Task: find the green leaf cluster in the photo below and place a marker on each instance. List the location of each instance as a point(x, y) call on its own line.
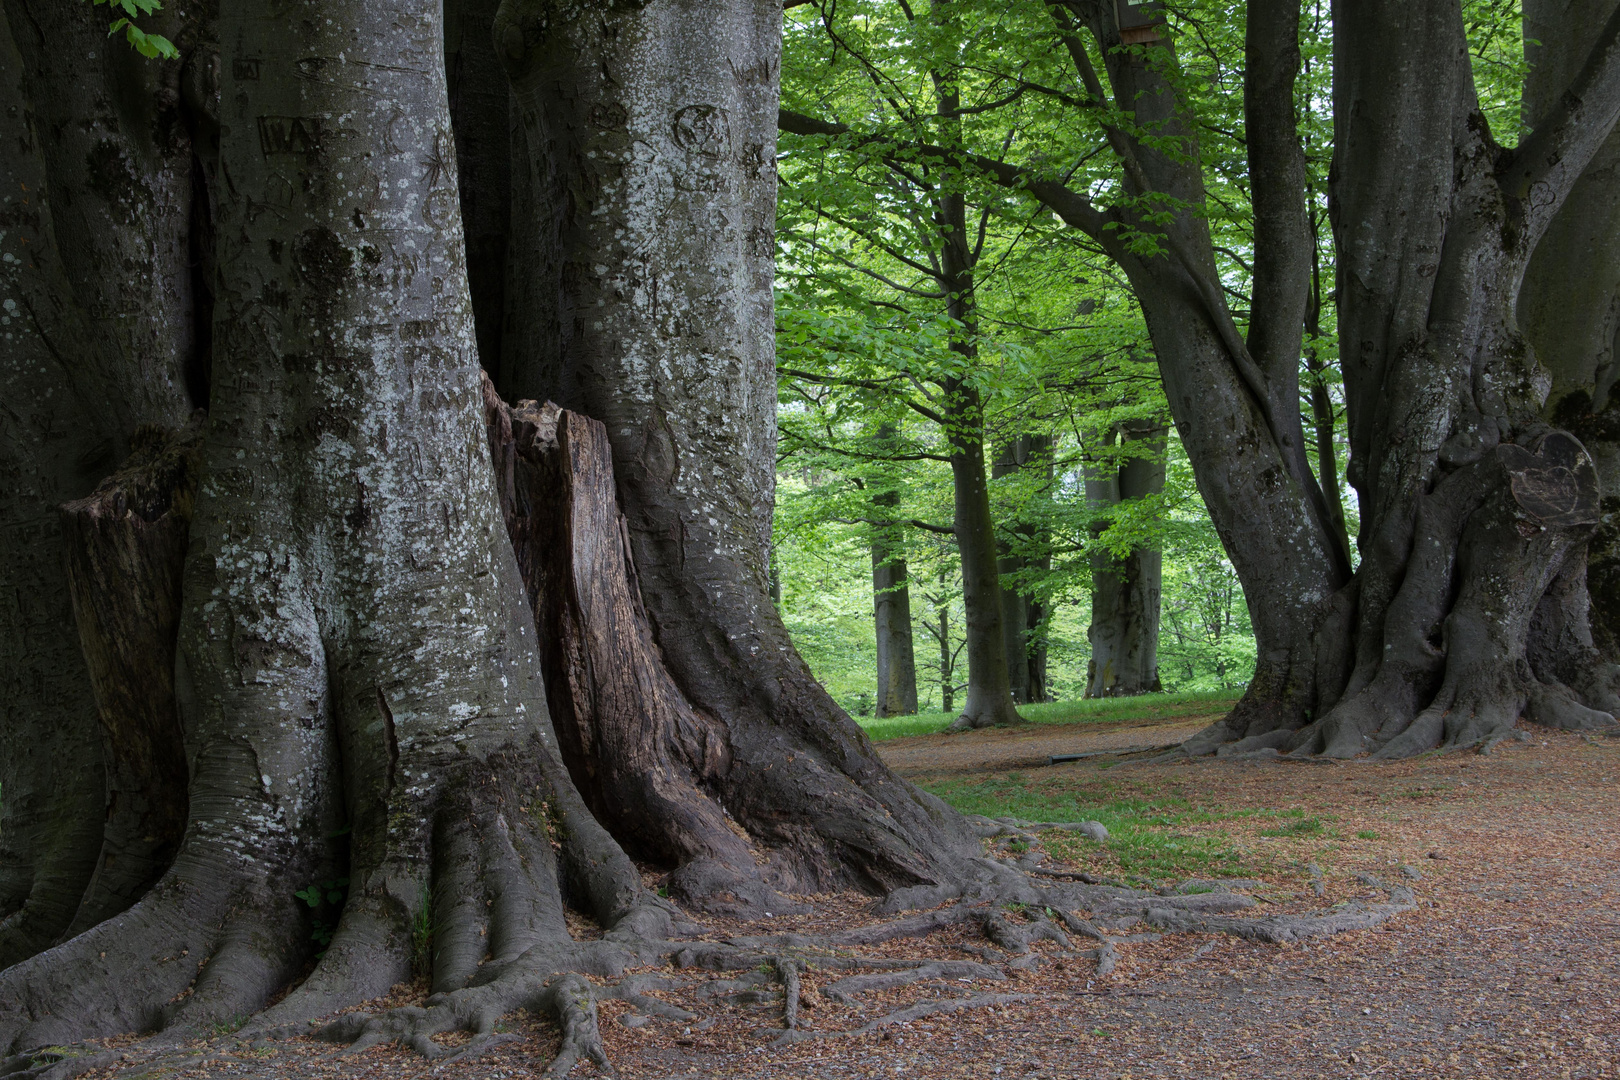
point(151, 46)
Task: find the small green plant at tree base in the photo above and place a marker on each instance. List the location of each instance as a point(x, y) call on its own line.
point(151, 46)
point(422, 935)
point(326, 900)
point(1366, 834)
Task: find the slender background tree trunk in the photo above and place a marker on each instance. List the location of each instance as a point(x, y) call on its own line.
point(896, 660)
point(1125, 591)
point(891, 597)
point(1021, 611)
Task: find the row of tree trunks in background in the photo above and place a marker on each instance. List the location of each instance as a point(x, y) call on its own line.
point(1126, 590)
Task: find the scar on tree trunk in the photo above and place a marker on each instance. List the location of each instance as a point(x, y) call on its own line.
point(662, 774)
point(126, 548)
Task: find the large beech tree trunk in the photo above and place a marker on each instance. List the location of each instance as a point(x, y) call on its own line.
point(1466, 527)
point(651, 130)
point(357, 671)
point(1125, 589)
point(50, 765)
point(100, 218)
point(1472, 507)
point(1569, 305)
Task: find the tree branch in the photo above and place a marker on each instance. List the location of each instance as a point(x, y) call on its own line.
point(833, 449)
point(863, 384)
point(1553, 156)
point(889, 523)
point(1074, 208)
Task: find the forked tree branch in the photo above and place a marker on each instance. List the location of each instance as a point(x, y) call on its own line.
point(1553, 156)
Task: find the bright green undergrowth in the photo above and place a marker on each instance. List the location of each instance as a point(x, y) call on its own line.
point(1079, 711)
point(1148, 834)
point(1157, 833)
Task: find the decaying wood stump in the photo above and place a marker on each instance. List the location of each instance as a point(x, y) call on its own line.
point(126, 547)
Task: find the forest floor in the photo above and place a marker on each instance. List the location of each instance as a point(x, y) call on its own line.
point(1509, 965)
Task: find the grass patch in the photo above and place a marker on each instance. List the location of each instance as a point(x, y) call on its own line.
point(1148, 835)
point(1093, 710)
point(1300, 826)
point(1366, 834)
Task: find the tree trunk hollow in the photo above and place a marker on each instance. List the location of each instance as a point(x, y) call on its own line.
point(126, 548)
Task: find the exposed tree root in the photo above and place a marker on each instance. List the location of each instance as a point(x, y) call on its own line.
point(549, 983)
point(548, 974)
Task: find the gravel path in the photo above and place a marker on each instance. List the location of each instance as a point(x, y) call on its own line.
point(994, 750)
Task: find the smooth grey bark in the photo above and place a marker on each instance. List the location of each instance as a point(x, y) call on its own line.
point(118, 164)
point(1569, 304)
point(1125, 590)
point(355, 649)
point(650, 132)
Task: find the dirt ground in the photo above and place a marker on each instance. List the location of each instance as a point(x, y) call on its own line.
point(1509, 966)
point(1032, 745)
